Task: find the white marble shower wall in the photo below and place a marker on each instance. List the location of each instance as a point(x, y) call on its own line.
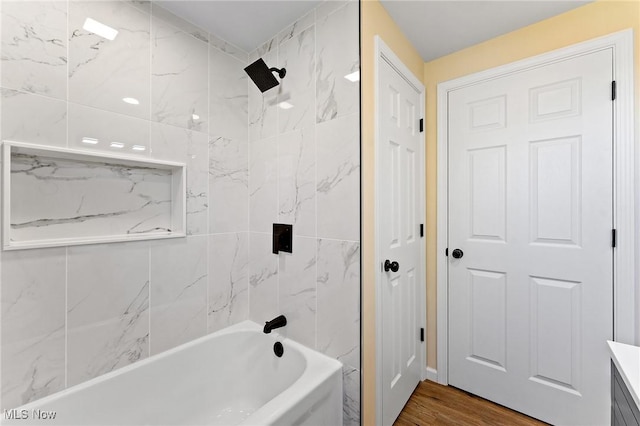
point(71, 314)
point(304, 169)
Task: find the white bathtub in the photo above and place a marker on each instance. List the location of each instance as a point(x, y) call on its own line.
point(231, 377)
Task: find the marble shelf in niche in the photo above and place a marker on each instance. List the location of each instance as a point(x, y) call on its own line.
point(62, 197)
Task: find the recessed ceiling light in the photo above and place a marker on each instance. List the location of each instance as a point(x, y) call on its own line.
point(90, 141)
point(285, 105)
point(353, 77)
point(138, 147)
point(195, 116)
point(117, 145)
point(100, 29)
point(132, 101)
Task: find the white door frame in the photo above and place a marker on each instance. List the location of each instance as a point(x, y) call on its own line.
point(625, 185)
point(384, 53)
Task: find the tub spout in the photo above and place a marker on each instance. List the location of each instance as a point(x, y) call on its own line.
point(277, 322)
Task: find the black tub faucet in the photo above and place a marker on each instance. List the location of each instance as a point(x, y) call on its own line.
point(277, 322)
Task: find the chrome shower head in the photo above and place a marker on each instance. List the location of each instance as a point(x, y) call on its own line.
point(263, 76)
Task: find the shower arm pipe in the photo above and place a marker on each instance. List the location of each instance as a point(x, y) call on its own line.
point(281, 71)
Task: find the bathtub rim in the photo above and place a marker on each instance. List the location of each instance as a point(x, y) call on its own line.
point(270, 411)
point(318, 370)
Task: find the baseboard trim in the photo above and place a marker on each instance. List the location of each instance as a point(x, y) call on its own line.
point(431, 374)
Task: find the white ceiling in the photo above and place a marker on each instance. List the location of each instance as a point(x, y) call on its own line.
point(244, 23)
point(437, 28)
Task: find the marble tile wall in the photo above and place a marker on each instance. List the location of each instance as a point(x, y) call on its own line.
point(70, 314)
point(56, 198)
point(304, 169)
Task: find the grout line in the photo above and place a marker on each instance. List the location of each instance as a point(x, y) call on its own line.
point(66, 80)
point(209, 139)
point(66, 317)
point(207, 301)
point(315, 163)
point(209, 204)
point(277, 142)
point(339, 240)
point(66, 249)
point(175, 26)
point(248, 275)
point(248, 223)
point(150, 115)
point(149, 295)
point(203, 30)
point(245, 61)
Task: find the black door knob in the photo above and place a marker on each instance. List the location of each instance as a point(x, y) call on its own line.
point(457, 253)
point(389, 265)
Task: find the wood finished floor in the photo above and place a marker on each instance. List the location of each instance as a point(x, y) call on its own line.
point(434, 404)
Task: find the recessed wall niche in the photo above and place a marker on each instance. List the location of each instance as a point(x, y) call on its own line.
point(61, 197)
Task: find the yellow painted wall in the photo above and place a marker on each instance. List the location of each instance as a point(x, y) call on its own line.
point(374, 21)
point(581, 24)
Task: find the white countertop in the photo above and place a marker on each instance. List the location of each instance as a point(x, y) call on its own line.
point(627, 360)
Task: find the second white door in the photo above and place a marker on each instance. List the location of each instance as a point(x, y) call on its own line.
point(399, 174)
point(530, 202)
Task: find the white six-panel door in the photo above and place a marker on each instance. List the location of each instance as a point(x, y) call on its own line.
point(399, 237)
point(530, 202)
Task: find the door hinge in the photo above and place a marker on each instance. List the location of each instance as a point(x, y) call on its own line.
point(613, 90)
point(422, 334)
point(421, 125)
point(422, 230)
point(446, 252)
point(613, 238)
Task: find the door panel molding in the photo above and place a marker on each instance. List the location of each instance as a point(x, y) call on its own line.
point(625, 185)
point(384, 53)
